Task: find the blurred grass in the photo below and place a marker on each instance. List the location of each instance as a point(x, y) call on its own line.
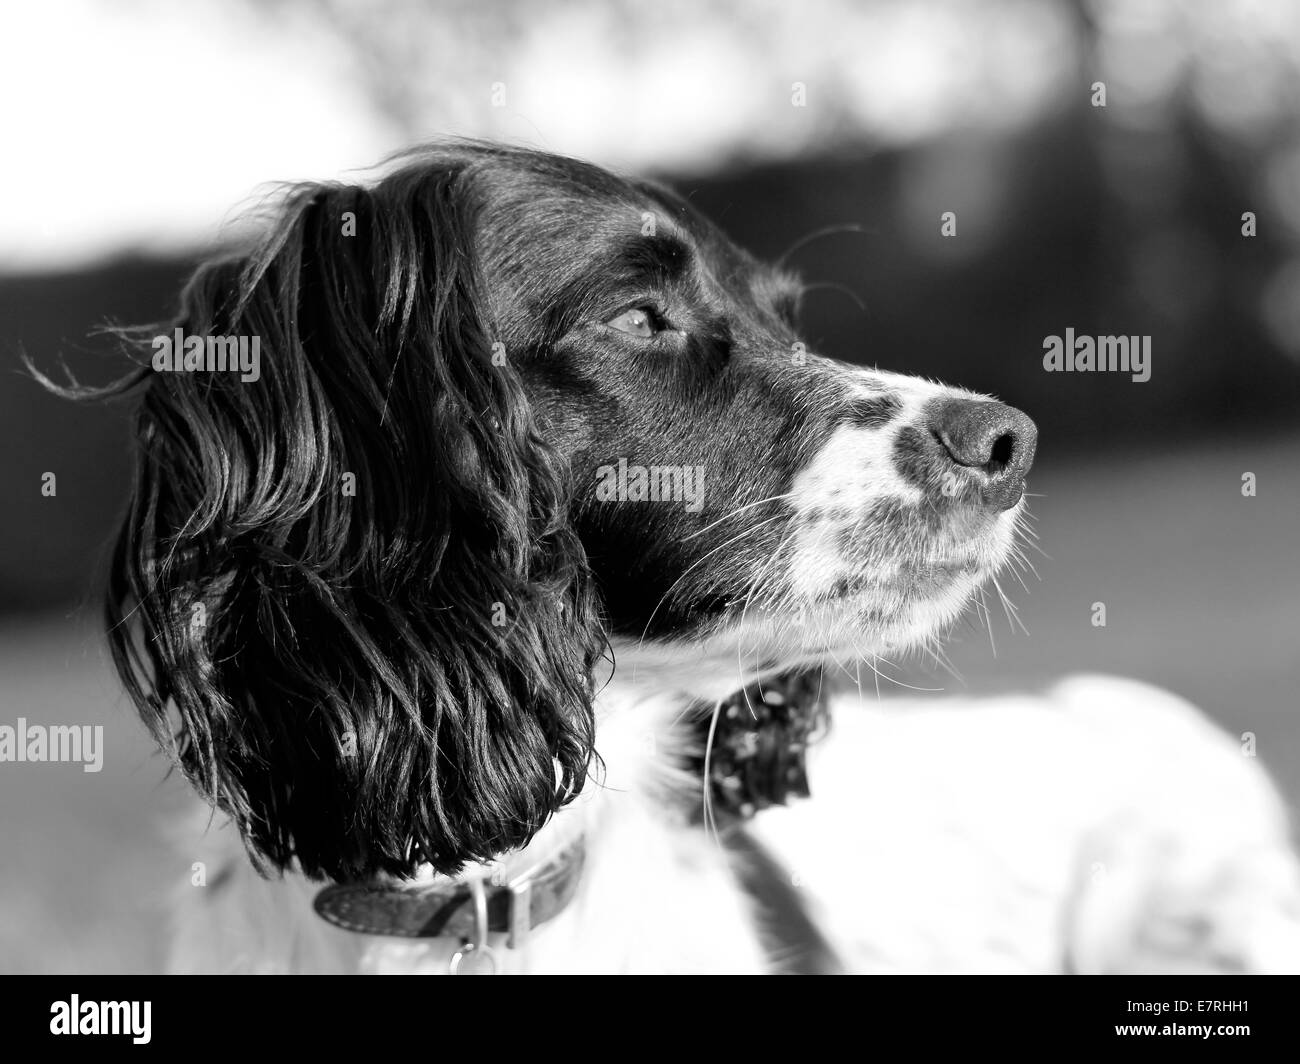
point(1202, 593)
point(85, 871)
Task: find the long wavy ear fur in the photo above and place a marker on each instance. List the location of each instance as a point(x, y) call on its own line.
point(346, 596)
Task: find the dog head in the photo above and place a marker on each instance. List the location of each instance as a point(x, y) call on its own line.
point(508, 405)
point(739, 498)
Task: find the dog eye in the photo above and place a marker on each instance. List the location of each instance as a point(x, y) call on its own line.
point(636, 321)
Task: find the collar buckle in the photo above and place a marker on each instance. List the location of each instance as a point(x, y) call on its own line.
point(521, 906)
point(476, 946)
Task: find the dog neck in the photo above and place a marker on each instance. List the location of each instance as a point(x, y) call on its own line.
point(719, 762)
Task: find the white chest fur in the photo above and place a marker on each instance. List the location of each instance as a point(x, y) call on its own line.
point(1104, 826)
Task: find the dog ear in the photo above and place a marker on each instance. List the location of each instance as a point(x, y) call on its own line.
point(362, 622)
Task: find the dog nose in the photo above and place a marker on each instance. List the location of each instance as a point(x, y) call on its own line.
point(993, 441)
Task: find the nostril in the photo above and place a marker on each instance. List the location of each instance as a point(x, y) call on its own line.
point(991, 440)
point(989, 450)
point(1004, 448)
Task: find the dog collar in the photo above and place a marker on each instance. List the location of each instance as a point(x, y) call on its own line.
point(467, 910)
point(757, 744)
point(759, 739)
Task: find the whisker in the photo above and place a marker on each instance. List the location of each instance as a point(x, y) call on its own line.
point(988, 621)
point(897, 682)
point(738, 510)
point(834, 286)
point(1009, 608)
point(818, 234)
point(664, 597)
point(710, 822)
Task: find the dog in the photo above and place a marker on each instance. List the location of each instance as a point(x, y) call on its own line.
point(490, 615)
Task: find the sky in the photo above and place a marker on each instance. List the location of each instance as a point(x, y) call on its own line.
point(143, 126)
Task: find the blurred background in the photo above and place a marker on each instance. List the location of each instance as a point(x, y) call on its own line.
point(133, 131)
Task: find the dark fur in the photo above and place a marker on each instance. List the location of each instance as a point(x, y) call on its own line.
point(350, 702)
